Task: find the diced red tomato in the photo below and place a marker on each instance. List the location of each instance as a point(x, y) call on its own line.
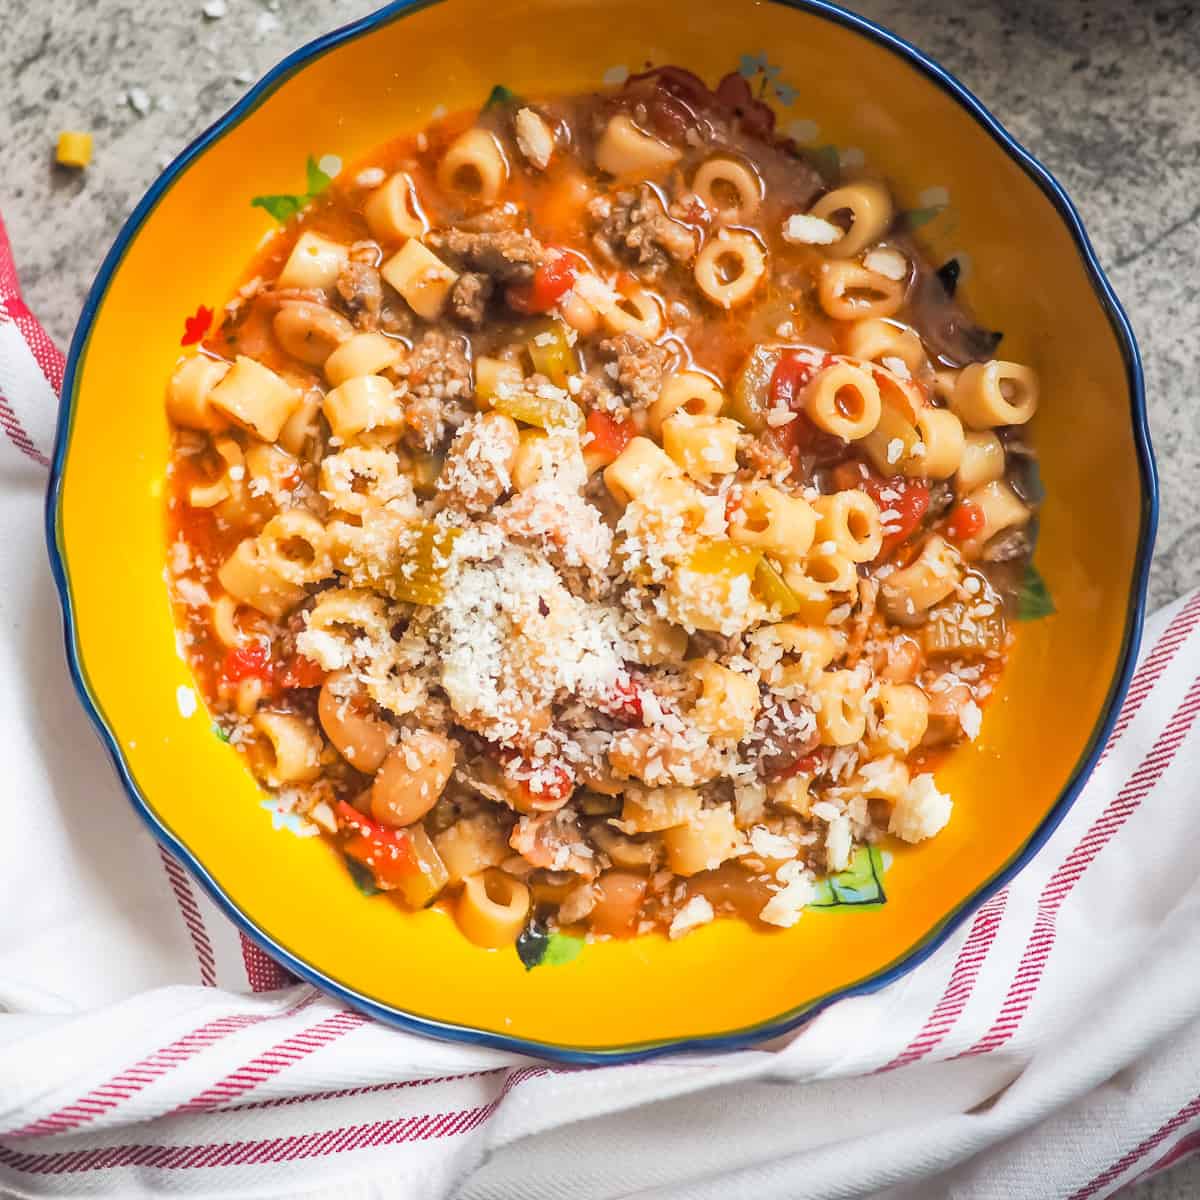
point(300, 672)
point(910, 506)
point(965, 521)
point(196, 326)
point(556, 782)
point(792, 374)
point(694, 212)
point(806, 764)
point(386, 853)
point(800, 438)
point(252, 661)
point(542, 784)
point(906, 500)
point(609, 436)
point(733, 502)
point(624, 702)
point(198, 527)
point(551, 281)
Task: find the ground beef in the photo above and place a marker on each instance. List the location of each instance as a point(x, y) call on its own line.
point(1007, 546)
point(946, 327)
point(553, 841)
point(633, 230)
point(469, 297)
point(493, 220)
point(395, 317)
point(640, 364)
point(577, 904)
point(476, 471)
point(507, 255)
point(438, 374)
point(764, 456)
point(567, 531)
point(941, 499)
point(359, 294)
point(596, 392)
point(864, 615)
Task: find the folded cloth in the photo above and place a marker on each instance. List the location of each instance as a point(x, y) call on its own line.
point(1050, 1049)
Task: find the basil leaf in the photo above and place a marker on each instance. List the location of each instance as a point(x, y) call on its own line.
point(561, 949)
point(318, 181)
point(828, 162)
point(531, 945)
point(363, 880)
point(500, 97)
point(538, 947)
point(282, 208)
point(1034, 600)
point(916, 217)
point(948, 274)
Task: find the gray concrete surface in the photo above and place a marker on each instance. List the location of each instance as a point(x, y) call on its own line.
point(1105, 92)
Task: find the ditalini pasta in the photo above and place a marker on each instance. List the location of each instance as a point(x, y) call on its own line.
point(585, 513)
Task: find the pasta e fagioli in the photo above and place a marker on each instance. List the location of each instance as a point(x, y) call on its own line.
point(577, 520)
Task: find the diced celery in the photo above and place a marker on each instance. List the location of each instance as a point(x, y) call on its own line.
point(492, 375)
point(425, 471)
point(957, 631)
point(419, 887)
point(751, 394)
point(552, 353)
point(773, 591)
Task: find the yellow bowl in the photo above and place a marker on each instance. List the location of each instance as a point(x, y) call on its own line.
point(835, 80)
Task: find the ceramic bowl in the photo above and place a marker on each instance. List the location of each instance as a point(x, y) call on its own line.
point(837, 83)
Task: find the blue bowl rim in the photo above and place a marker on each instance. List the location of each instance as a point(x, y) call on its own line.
point(746, 1037)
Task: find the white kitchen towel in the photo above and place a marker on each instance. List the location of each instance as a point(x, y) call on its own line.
point(1050, 1049)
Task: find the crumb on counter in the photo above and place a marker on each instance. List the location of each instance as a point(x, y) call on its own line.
point(74, 149)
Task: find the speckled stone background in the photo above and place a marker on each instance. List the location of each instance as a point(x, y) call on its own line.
point(1106, 93)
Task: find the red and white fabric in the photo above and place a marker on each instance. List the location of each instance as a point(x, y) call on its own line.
point(1050, 1049)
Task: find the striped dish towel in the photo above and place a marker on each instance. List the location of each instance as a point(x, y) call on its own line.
point(1050, 1049)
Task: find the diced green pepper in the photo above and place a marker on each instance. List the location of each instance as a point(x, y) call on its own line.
point(773, 591)
point(544, 412)
point(552, 353)
point(751, 394)
point(425, 471)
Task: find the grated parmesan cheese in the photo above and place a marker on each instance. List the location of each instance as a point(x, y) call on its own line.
point(802, 230)
point(839, 841)
point(766, 844)
point(891, 264)
point(696, 912)
point(921, 811)
point(534, 138)
point(786, 906)
point(371, 177)
point(971, 719)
